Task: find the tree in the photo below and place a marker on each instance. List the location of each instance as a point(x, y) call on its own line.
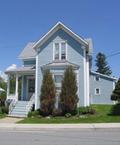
point(48, 93)
point(68, 95)
point(116, 93)
point(3, 85)
point(102, 65)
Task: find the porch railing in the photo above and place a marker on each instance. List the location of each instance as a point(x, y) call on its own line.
point(12, 105)
point(30, 103)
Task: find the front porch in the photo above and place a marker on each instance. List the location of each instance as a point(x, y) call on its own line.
point(20, 84)
point(21, 91)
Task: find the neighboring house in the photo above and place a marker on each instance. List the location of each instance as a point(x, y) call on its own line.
point(56, 50)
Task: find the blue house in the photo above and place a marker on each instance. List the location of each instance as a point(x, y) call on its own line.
point(56, 50)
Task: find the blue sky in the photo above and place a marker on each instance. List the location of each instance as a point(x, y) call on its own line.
point(22, 21)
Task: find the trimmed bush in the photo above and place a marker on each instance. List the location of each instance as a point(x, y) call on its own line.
point(48, 93)
point(68, 95)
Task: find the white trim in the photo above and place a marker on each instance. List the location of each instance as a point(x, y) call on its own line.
point(22, 97)
point(99, 91)
point(8, 86)
point(113, 85)
point(60, 48)
point(110, 77)
point(84, 79)
point(87, 81)
point(54, 29)
point(36, 84)
point(16, 88)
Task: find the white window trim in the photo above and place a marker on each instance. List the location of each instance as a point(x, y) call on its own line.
point(59, 49)
point(99, 91)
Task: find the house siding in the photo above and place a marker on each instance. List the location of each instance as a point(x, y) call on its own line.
point(75, 54)
point(106, 87)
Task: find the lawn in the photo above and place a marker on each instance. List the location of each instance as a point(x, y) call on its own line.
point(2, 116)
point(101, 116)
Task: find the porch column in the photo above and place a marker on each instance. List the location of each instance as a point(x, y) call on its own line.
point(16, 88)
point(8, 86)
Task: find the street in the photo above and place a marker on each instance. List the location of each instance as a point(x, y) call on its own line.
point(60, 137)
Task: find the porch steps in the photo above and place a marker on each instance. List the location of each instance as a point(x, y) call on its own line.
point(20, 109)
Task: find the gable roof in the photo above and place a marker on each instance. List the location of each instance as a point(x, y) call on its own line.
point(28, 51)
point(103, 75)
point(58, 26)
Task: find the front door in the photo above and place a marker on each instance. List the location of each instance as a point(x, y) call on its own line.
point(30, 87)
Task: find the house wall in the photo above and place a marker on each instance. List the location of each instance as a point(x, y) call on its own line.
point(106, 85)
point(75, 54)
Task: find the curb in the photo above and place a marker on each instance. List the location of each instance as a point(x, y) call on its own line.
point(59, 126)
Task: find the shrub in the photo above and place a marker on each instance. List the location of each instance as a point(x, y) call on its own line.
point(57, 112)
point(34, 113)
point(86, 110)
point(68, 95)
point(3, 110)
point(116, 92)
point(48, 93)
point(115, 109)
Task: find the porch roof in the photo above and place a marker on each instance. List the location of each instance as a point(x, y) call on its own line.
point(21, 70)
point(60, 64)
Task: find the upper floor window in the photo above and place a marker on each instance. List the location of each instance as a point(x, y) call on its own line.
point(60, 51)
point(63, 51)
point(57, 50)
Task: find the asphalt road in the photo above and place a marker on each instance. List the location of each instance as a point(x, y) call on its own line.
point(61, 137)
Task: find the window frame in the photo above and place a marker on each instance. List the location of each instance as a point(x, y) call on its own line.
point(96, 91)
point(60, 50)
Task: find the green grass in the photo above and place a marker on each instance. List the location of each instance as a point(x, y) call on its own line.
point(2, 115)
point(101, 116)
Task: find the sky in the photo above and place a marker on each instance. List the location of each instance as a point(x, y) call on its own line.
point(23, 21)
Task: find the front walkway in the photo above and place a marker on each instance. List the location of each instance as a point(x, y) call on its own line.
point(10, 120)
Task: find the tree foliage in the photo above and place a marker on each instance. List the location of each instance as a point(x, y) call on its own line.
point(116, 93)
point(102, 65)
point(47, 97)
point(68, 95)
point(3, 85)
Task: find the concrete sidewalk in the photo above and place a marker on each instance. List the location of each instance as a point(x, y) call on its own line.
point(58, 126)
point(10, 120)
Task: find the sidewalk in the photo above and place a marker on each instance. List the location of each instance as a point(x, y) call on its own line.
point(58, 126)
point(9, 120)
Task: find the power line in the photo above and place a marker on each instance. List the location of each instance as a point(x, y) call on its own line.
point(114, 54)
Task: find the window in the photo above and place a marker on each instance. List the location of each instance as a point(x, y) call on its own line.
point(58, 78)
point(59, 51)
point(97, 78)
point(97, 91)
point(63, 51)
